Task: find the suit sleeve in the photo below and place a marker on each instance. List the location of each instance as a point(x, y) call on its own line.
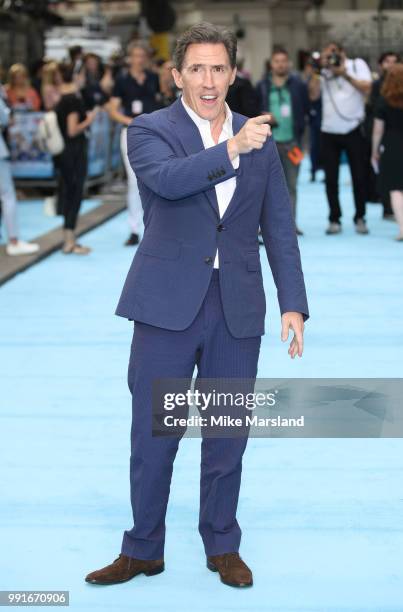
point(171, 177)
point(279, 236)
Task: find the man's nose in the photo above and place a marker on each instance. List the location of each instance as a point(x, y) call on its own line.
point(208, 80)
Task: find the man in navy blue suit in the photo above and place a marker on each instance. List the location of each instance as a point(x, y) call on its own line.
point(208, 178)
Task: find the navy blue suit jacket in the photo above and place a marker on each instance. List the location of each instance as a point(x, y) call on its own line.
point(171, 269)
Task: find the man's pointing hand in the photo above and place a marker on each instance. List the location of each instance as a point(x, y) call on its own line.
point(251, 136)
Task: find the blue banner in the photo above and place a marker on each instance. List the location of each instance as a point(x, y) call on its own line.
point(29, 162)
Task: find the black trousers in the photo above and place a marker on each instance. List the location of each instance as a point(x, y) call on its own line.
point(71, 167)
point(332, 145)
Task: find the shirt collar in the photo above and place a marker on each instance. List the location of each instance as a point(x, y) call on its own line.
point(200, 122)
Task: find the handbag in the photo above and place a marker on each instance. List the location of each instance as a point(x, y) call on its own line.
point(50, 138)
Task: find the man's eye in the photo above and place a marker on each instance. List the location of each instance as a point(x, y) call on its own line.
point(219, 68)
point(195, 69)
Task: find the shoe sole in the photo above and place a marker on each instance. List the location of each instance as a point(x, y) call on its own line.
point(152, 572)
point(242, 585)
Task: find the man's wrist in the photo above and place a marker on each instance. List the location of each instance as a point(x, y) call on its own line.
point(232, 148)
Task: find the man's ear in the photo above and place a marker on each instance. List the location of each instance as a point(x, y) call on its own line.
point(233, 75)
point(177, 78)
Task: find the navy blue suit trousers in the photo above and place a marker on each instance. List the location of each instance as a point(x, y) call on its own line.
point(162, 353)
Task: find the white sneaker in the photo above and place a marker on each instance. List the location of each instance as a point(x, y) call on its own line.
point(22, 248)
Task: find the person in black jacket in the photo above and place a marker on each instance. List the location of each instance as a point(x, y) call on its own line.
point(242, 97)
point(135, 92)
point(284, 95)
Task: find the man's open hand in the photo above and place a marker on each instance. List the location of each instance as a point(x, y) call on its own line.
point(252, 135)
point(294, 321)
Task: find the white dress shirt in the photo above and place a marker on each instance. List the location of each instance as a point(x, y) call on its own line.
point(225, 189)
point(338, 93)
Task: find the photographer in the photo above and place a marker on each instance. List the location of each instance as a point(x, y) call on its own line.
point(343, 83)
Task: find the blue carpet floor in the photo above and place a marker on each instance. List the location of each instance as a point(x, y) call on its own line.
point(32, 221)
point(322, 519)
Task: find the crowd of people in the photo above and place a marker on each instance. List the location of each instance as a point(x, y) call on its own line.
point(335, 102)
point(76, 89)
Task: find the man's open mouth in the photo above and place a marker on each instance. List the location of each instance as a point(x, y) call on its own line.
point(208, 99)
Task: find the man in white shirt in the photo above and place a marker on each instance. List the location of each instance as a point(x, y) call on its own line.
point(208, 178)
point(225, 190)
point(344, 84)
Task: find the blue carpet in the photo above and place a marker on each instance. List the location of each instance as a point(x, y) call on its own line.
point(322, 519)
point(32, 222)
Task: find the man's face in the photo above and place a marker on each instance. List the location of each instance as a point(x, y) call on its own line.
point(280, 64)
point(137, 59)
point(205, 77)
point(388, 61)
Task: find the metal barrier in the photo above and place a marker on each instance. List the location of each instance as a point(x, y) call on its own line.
point(33, 167)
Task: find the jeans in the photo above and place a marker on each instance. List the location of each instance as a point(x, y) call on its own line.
point(8, 199)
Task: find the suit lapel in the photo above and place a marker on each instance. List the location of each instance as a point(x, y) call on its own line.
point(190, 138)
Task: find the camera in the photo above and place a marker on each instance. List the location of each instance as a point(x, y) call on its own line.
point(334, 59)
point(314, 61)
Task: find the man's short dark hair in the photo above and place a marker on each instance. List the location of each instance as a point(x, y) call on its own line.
point(335, 43)
point(205, 32)
point(279, 50)
point(386, 54)
point(137, 44)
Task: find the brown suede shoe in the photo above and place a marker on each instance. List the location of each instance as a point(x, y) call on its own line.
point(233, 571)
point(125, 568)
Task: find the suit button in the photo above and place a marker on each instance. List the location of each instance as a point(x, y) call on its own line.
point(208, 260)
point(220, 227)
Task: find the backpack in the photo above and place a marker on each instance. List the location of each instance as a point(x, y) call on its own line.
point(49, 136)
